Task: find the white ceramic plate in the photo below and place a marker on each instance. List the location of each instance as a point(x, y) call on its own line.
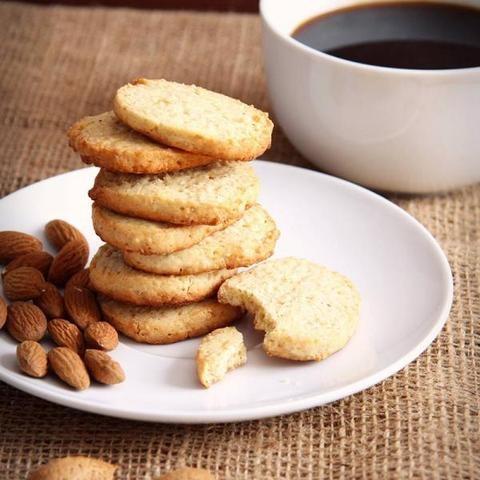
point(403, 276)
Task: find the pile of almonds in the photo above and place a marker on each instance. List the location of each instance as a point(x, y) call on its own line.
point(83, 468)
point(32, 282)
point(32, 279)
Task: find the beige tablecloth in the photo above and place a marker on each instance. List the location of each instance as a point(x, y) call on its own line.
point(59, 63)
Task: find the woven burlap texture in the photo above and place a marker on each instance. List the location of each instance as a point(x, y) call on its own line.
point(60, 63)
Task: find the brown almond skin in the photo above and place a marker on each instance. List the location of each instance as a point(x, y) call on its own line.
point(101, 336)
point(23, 283)
point(60, 232)
point(82, 306)
point(26, 321)
point(51, 301)
point(39, 260)
point(69, 367)
point(80, 279)
point(71, 259)
point(74, 468)
point(32, 359)
point(3, 312)
point(13, 244)
point(103, 368)
point(187, 473)
point(66, 334)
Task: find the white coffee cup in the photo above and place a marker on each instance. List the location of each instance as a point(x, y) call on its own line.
point(390, 129)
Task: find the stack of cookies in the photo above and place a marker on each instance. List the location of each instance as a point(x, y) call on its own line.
point(176, 203)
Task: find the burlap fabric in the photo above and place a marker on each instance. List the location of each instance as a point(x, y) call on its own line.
point(60, 63)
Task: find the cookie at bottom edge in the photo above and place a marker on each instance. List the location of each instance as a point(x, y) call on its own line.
point(167, 324)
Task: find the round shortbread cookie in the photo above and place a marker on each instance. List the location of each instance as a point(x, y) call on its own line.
point(207, 195)
point(194, 119)
point(146, 236)
point(167, 324)
point(245, 242)
point(307, 311)
point(106, 142)
point(109, 275)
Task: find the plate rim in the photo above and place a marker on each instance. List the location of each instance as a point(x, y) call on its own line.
point(300, 403)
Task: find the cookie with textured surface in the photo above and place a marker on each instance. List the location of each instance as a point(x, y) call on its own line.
point(247, 241)
point(112, 277)
point(208, 195)
point(106, 142)
point(167, 324)
point(220, 351)
point(307, 311)
point(146, 236)
point(194, 119)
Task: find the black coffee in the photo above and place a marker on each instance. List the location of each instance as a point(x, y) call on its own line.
point(419, 35)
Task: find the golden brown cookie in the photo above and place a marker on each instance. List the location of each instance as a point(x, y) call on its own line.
point(219, 352)
point(109, 275)
point(106, 142)
point(167, 324)
point(208, 195)
point(146, 236)
point(307, 311)
point(194, 119)
point(249, 240)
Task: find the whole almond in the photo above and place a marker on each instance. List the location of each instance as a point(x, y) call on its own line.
point(32, 359)
point(60, 232)
point(101, 336)
point(80, 279)
point(39, 260)
point(51, 301)
point(74, 468)
point(103, 367)
point(69, 367)
point(23, 283)
point(81, 306)
point(187, 473)
point(13, 244)
point(25, 321)
point(72, 258)
point(3, 312)
point(66, 334)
